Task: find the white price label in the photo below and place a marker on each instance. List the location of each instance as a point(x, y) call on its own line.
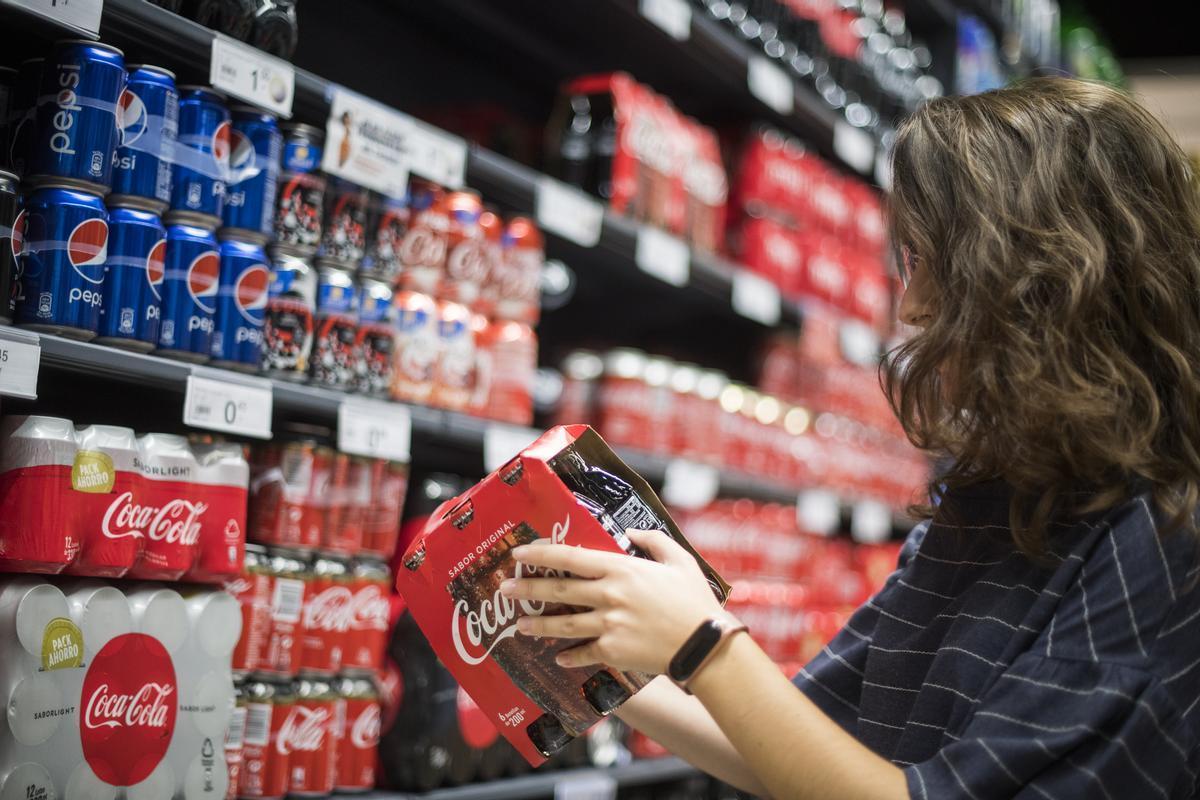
point(663, 256)
point(870, 522)
point(673, 16)
point(252, 75)
point(689, 485)
point(771, 84)
point(241, 406)
point(502, 443)
point(589, 786)
point(437, 155)
point(854, 146)
point(568, 212)
point(82, 15)
point(817, 511)
point(19, 362)
point(756, 298)
point(375, 429)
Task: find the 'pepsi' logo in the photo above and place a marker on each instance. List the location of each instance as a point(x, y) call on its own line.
point(251, 291)
point(222, 144)
point(204, 279)
point(242, 162)
point(87, 248)
point(156, 267)
point(132, 117)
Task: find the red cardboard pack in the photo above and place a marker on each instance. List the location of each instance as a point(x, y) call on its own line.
point(567, 487)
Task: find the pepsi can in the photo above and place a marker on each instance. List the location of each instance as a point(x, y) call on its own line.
point(62, 265)
point(22, 121)
point(148, 118)
point(77, 114)
point(241, 304)
point(202, 159)
point(291, 304)
point(12, 236)
point(256, 145)
point(335, 357)
point(131, 309)
point(190, 288)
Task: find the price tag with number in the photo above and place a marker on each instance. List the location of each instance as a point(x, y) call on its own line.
point(501, 443)
point(19, 362)
point(81, 15)
point(854, 146)
point(589, 786)
point(756, 298)
point(663, 256)
point(375, 429)
point(673, 16)
point(690, 485)
point(437, 155)
point(252, 75)
point(870, 522)
point(817, 511)
point(568, 212)
point(230, 404)
point(771, 84)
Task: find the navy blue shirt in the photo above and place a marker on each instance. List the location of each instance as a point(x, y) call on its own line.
point(985, 675)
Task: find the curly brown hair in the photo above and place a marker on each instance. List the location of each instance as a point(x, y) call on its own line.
point(1060, 224)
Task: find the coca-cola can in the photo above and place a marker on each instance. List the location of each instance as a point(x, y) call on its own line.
point(367, 620)
point(289, 584)
point(252, 590)
point(381, 528)
point(224, 479)
point(344, 533)
point(357, 752)
point(330, 494)
point(308, 739)
point(417, 344)
point(289, 493)
point(37, 455)
point(423, 250)
point(264, 762)
point(172, 515)
point(507, 351)
point(108, 489)
point(517, 287)
point(454, 373)
point(235, 734)
point(467, 264)
point(326, 606)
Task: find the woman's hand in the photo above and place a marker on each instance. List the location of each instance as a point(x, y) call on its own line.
point(640, 611)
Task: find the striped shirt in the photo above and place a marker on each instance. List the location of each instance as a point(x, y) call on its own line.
point(985, 675)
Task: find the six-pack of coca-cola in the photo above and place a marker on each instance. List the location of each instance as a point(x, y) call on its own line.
point(101, 501)
point(567, 487)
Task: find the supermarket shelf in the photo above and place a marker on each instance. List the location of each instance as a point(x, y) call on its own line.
point(639, 773)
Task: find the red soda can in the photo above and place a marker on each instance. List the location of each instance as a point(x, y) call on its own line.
point(381, 528)
point(467, 250)
point(518, 287)
point(624, 400)
point(224, 480)
point(344, 533)
point(511, 358)
point(367, 620)
point(492, 228)
point(264, 762)
point(416, 352)
point(308, 739)
point(170, 516)
point(454, 373)
point(330, 492)
point(37, 455)
point(107, 490)
point(423, 250)
point(359, 737)
point(326, 610)
point(281, 473)
point(289, 584)
point(252, 590)
point(235, 734)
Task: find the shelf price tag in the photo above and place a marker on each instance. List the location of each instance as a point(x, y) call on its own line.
point(690, 485)
point(82, 15)
point(252, 75)
point(870, 522)
point(673, 16)
point(589, 786)
point(854, 146)
point(20, 357)
point(436, 155)
point(771, 84)
point(240, 405)
point(375, 429)
point(663, 256)
point(817, 511)
point(756, 298)
point(568, 212)
point(501, 443)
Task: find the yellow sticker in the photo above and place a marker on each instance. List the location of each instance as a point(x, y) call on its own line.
point(93, 472)
point(62, 644)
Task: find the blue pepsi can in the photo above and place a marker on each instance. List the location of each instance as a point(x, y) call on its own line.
point(253, 173)
point(202, 159)
point(148, 119)
point(133, 279)
point(189, 294)
point(22, 122)
point(77, 114)
point(62, 265)
point(241, 304)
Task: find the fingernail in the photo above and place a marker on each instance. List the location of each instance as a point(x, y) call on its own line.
point(561, 660)
point(508, 587)
point(523, 624)
point(517, 552)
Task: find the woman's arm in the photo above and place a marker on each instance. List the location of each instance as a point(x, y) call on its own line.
point(681, 724)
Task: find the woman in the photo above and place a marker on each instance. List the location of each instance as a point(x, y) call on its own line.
point(1041, 637)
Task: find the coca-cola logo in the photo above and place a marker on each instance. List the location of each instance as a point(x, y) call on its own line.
point(781, 250)
point(175, 522)
point(705, 180)
point(128, 707)
point(827, 275)
point(364, 733)
point(303, 731)
point(327, 610)
point(368, 610)
point(649, 143)
point(468, 262)
point(787, 175)
point(238, 587)
point(496, 618)
point(422, 247)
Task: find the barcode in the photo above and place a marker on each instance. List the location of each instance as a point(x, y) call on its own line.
point(288, 600)
point(236, 731)
point(258, 724)
point(204, 411)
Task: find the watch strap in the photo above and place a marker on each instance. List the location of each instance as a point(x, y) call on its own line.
point(700, 648)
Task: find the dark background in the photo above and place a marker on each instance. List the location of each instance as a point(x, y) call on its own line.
point(1149, 29)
